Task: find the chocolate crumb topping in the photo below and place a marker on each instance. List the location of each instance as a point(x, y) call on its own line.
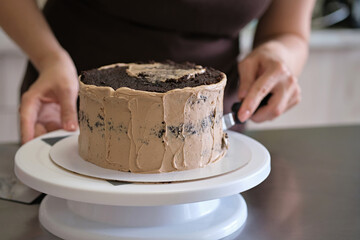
point(117, 77)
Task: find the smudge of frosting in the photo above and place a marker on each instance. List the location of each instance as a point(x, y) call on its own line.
point(154, 72)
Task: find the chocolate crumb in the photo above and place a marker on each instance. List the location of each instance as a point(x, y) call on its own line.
point(117, 77)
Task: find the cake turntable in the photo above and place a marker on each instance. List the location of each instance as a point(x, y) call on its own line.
point(84, 207)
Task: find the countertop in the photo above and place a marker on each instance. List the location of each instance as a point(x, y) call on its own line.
point(312, 192)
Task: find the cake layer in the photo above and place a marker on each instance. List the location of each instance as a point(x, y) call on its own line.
point(152, 132)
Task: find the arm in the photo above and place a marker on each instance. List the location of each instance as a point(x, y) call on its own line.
point(50, 103)
point(280, 51)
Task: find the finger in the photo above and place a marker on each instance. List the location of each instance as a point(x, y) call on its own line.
point(68, 110)
point(283, 98)
point(275, 107)
point(261, 87)
point(39, 130)
point(49, 112)
point(49, 117)
point(247, 71)
point(29, 108)
point(295, 98)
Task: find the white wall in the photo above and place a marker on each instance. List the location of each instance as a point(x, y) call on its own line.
point(12, 66)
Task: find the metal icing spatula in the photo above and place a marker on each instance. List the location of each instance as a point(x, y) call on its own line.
point(231, 119)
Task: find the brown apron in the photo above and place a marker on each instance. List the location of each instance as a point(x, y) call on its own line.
point(101, 32)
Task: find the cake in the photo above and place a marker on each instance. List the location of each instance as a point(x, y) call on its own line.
point(151, 117)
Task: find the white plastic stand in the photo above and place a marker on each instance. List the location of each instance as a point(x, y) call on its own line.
point(81, 207)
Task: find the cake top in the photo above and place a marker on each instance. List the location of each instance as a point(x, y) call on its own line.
point(152, 76)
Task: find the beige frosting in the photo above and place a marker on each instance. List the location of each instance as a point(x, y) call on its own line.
point(161, 72)
point(150, 132)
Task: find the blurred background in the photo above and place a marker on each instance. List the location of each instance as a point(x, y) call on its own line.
point(330, 81)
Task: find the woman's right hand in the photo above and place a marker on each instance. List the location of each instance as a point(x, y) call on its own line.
point(50, 103)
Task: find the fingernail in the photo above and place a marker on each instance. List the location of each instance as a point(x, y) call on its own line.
point(243, 116)
point(71, 126)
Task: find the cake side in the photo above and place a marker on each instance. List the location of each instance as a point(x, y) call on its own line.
point(150, 132)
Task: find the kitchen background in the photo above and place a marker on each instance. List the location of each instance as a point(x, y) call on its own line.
point(330, 81)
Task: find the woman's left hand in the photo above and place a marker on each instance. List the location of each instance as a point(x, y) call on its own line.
point(262, 72)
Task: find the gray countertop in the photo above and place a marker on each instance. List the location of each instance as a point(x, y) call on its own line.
point(313, 191)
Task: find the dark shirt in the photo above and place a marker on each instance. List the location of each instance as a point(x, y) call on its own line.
point(101, 32)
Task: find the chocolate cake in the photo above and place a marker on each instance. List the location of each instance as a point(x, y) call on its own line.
point(151, 117)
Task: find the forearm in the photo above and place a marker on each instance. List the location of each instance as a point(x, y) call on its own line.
point(286, 26)
point(25, 24)
point(291, 49)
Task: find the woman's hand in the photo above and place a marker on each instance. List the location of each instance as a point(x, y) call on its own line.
point(50, 103)
point(262, 72)
point(281, 48)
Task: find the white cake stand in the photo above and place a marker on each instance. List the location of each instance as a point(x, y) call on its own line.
point(81, 207)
